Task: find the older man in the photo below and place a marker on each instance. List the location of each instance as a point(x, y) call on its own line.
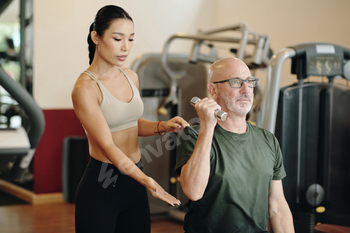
point(231, 171)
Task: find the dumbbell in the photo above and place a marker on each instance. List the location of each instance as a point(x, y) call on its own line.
point(220, 115)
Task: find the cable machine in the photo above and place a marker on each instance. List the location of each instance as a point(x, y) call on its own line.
point(311, 122)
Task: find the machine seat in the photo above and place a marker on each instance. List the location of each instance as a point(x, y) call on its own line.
point(14, 142)
point(330, 228)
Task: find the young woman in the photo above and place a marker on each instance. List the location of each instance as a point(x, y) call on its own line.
point(112, 194)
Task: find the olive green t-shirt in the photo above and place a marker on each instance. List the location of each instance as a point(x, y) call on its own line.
point(241, 169)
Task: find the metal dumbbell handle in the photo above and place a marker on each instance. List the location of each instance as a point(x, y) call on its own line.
point(220, 115)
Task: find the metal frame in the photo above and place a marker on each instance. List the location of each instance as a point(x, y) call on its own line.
point(35, 116)
point(259, 58)
point(270, 99)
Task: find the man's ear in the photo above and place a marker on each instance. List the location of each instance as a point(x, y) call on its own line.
point(94, 37)
point(212, 90)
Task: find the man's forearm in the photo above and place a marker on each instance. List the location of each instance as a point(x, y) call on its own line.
point(282, 221)
point(195, 173)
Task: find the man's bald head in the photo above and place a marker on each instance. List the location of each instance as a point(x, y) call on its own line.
point(227, 68)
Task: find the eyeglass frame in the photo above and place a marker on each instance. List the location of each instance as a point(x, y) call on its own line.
point(242, 81)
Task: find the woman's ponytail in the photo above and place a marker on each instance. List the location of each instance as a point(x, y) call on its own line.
point(92, 46)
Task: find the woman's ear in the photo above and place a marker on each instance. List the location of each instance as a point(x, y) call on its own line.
point(94, 37)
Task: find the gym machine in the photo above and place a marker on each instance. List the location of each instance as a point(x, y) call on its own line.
point(17, 145)
point(169, 81)
point(311, 122)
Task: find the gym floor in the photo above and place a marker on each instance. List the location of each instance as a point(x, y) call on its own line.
point(17, 216)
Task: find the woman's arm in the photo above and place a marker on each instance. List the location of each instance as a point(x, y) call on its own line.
point(87, 109)
point(149, 128)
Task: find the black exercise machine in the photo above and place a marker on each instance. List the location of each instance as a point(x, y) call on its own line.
point(311, 122)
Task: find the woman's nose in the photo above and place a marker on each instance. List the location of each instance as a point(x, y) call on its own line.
point(125, 46)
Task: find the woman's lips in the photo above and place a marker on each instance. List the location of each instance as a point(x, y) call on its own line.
point(122, 58)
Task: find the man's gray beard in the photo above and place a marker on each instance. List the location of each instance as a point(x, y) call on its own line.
point(234, 107)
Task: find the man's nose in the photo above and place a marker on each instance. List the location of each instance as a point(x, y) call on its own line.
point(245, 88)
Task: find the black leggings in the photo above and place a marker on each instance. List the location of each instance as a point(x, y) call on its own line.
point(108, 201)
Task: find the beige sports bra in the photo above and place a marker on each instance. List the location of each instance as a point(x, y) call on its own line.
point(118, 114)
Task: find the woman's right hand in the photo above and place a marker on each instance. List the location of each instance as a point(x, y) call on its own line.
point(158, 192)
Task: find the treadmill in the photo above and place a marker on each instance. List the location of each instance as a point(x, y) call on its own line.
point(311, 122)
point(17, 145)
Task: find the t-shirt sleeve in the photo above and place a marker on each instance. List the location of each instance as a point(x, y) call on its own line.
point(278, 170)
point(185, 147)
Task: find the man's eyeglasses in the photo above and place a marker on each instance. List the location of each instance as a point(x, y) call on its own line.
point(238, 83)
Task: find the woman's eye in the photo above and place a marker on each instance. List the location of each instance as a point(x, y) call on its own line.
point(117, 39)
point(131, 40)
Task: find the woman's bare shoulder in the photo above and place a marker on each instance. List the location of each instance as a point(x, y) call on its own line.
point(85, 85)
point(132, 75)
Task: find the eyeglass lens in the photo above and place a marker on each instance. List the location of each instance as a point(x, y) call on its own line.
point(237, 82)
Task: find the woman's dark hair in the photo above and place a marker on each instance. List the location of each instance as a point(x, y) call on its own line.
point(103, 19)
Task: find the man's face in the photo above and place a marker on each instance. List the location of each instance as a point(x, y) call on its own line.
point(237, 100)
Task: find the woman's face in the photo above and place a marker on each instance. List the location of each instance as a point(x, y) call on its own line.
point(117, 41)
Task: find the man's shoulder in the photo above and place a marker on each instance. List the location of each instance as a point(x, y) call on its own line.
point(265, 135)
point(257, 129)
point(192, 130)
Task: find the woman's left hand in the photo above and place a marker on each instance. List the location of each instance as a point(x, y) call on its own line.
point(175, 124)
